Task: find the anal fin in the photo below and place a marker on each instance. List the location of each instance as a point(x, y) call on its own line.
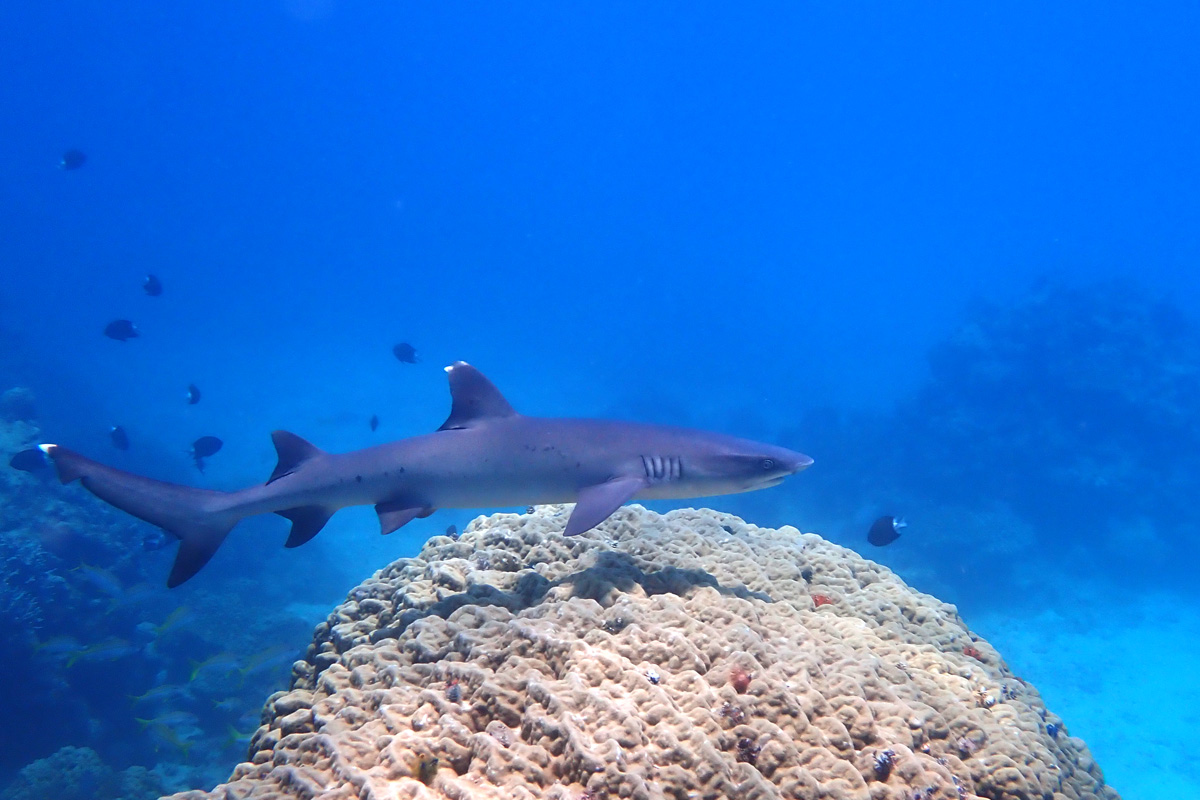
point(594, 504)
point(307, 522)
point(394, 515)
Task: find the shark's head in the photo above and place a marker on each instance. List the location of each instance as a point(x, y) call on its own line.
point(731, 466)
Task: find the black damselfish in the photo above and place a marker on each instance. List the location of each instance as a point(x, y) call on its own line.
point(30, 460)
point(120, 439)
point(121, 329)
point(204, 447)
point(885, 530)
point(405, 352)
point(72, 159)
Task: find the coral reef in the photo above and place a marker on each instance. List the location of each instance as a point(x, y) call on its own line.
point(29, 588)
point(42, 533)
point(672, 656)
point(77, 773)
point(105, 656)
point(17, 405)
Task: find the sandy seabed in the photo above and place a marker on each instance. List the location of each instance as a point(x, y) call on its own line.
point(1122, 669)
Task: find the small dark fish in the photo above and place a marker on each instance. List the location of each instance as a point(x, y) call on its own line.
point(30, 460)
point(406, 353)
point(204, 447)
point(885, 530)
point(452, 532)
point(121, 330)
point(72, 159)
point(152, 286)
point(155, 540)
point(374, 423)
point(193, 394)
point(120, 438)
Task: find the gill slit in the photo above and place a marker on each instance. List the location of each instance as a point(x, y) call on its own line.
point(663, 468)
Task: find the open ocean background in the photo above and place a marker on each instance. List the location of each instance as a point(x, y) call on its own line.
point(948, 251)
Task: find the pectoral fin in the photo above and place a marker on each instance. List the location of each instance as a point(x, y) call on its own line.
point(395, 515)
point(595, 504)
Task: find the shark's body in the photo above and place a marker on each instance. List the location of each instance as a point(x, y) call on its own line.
point(484, 455)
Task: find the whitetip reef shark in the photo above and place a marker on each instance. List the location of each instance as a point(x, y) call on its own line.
point(486, 454)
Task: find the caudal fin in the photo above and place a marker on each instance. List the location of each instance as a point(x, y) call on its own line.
point(182, 511)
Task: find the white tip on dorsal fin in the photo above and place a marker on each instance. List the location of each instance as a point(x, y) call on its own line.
point(473, 398)
point(48, 449)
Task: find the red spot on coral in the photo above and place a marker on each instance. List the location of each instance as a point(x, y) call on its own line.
point(972, 652)
point(740, 679)
point(822, 600)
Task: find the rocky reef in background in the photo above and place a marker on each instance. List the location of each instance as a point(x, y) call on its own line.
point(77, 773)
point(682, 655)
point(1060, 429)
point(1073, 401)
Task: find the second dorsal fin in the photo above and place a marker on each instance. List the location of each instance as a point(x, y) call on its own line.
point(292, 451)
point(473, 398)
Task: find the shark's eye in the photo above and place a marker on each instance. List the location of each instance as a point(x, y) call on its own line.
point(768, 463)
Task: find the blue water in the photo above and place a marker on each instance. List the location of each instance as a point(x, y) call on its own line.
point(948, 252)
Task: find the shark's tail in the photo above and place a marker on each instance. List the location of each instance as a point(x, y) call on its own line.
point(190, 514)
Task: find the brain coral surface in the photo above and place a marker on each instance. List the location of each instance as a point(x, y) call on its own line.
point(686, 655)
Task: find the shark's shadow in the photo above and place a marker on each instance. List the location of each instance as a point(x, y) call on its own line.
point(612, 570)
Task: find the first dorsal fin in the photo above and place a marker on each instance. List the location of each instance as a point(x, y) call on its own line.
point(292, 451)
point(473, 398)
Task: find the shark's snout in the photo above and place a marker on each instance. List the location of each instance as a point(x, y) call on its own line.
point(776, 464)
point(789, 462)
point(800, 462)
